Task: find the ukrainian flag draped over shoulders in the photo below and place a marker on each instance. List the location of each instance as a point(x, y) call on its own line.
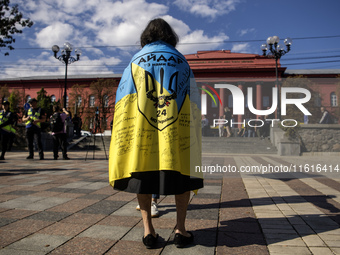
point(157, 116)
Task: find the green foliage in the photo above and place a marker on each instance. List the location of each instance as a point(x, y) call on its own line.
point(103, 91)
point(4, 92)
point(15, 98)
point(11, 22)
point(104, 94)
point(313, 107)
point(45, 102)
point(78, 106)
point(292, 133)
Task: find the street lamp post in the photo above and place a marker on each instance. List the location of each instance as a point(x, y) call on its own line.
point(276, 51)
point(67, 59)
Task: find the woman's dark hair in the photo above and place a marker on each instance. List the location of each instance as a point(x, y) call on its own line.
point(158, 29)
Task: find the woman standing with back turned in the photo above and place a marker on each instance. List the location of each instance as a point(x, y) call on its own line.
point(156, 140)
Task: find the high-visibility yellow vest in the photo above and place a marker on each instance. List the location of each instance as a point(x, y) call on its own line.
point(3, 119)
point(35, 116)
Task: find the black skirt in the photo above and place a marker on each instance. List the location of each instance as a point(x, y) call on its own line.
point(158, 182)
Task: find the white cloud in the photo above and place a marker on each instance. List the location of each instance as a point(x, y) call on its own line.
point(94, 51)
point(178, 26)
point(243, 32)
point(45, 64)
point(99, 26)
point(190, 42)
point(39, 11)
point(121, 34)
point(207, 8)
point(57, 33)
point(75, 6)
point(99, 66)
point(84, 22)
point(241, 48)
point(121, 23)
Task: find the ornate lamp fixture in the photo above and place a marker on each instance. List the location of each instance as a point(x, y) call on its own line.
point(67, 59)
point(277, 51)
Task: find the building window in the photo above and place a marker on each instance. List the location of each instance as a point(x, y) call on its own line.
point(230, 101)
point(317, 100)
point(213, 105)
point(265, 101)
point(66, 101)
point(78, 101)
point(91, 101)
point(53, 98)
point(334, 99)
point(106, 101)
point(91, 124)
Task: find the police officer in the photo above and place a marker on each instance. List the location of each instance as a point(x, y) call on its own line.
point(60, 136)
point(6, 127)
point(33, 118)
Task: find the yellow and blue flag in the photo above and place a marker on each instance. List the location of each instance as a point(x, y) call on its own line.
point(157, 116)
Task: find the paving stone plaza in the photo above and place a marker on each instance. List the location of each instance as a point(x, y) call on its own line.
point(68, 207)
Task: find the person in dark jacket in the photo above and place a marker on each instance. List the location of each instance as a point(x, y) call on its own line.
point(6, 128)
point(60, 137)
point(325, 118)
point(33, 118)
point(228, 116)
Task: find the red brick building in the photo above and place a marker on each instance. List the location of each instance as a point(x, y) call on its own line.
point(209, 67)
point(256, 72)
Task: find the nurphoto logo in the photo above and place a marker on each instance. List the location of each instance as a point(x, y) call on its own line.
point(239, 103)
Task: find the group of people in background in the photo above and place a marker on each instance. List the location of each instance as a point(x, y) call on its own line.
point(7, 131)
point(259, 128)
point(225, 129)
point(325, 118)
point(33, 118)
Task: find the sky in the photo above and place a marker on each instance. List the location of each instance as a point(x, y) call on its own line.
point(108, 31)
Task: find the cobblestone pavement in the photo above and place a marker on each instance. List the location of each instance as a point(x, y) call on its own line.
point(67, 207)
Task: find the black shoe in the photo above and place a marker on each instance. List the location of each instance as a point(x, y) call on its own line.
point(181, 241)
point(150, 241)
point(41, 158)
point(29, 157)
point(2, 158)
point(66, 158)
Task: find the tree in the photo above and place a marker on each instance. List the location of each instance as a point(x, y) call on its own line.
point(105, 95)
point(11, 22)
point(15, 99)
point(79, 103)
point(313, 105)
point(45, 102)
point(78, 99)
point(4, 92)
